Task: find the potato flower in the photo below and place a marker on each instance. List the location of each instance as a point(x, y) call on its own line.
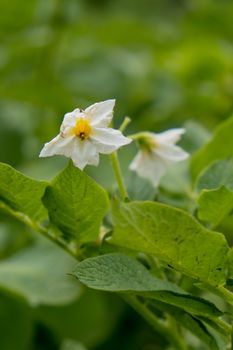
point(85, 133)
point(157, 152)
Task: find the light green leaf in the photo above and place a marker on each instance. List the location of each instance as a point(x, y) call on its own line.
point(21, 193)
point(76, 204)
point(31, 273)
point(216, 185)
point(119, 273)
point(173, 236)
point(219, 147)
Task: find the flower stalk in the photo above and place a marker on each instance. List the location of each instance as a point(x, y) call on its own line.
point(118, 175)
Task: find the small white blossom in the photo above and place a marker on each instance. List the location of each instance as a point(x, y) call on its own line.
point(157, 153)
point(85, 134)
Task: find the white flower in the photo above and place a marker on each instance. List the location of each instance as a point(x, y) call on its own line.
point(85, 134)
point(157, 152)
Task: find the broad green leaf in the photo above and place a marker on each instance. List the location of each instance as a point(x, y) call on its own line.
point(31, 273)
point(219, 147)
point(119, 273)
point(173, 236)
point(76, 204)
point(21, 193)
point(216, 186)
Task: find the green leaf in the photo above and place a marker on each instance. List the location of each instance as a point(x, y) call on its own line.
point(21, 193)
point(76, 204)
point(216, 185)
point(173, 236)
point(219, 147)
point(119, 273)
point(31, 273)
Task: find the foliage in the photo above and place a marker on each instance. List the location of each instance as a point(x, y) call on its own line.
point(166, 253)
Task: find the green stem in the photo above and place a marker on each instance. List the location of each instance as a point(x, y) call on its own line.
point(125, 123)
point(158, 325)
point(226, 294)
point(47, 232)
point(138, 135)
point(118, 175)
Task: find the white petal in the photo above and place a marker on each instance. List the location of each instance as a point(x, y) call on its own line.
point(84, 152)
point(170, 152)
point(108, 140)
point(170, 136)
point(70, 118)
point(58, 146)
point(149, 166)
point(100, 114)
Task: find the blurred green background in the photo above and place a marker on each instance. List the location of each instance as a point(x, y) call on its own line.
point(167, 62)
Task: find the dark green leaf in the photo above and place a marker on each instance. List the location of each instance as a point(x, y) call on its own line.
point(119, 273)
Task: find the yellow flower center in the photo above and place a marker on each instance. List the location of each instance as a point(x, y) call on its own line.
point(82, 129)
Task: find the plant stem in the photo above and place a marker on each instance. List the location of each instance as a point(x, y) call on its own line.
point(226, 294)
point(125, 123)
point(47, 232)
point(118, 175)
point(158, 325)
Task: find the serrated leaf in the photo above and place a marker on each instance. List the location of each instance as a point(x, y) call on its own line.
point(119, 273)
point(21, 193)
point(173, 236)
point(219, 147)
point(31, 273)
point(76, 204)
